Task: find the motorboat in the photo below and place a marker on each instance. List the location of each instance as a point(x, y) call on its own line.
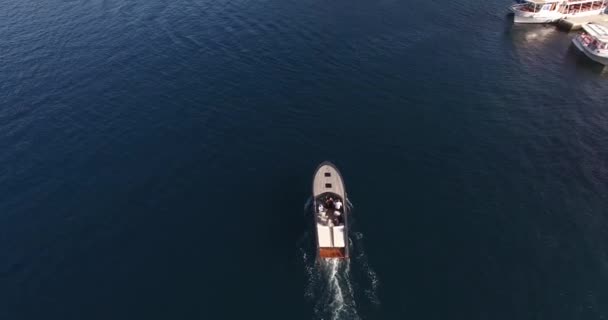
point(330, 212)
point(593, 42)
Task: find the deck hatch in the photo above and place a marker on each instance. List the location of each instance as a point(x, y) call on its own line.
point(328, 174)
point(328, 185)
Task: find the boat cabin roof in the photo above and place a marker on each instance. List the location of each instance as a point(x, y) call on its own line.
point(571, 2)
point(542, 1)
point(328, 179)
point(597, 31)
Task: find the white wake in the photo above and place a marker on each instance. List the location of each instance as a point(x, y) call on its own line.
point(334, 285)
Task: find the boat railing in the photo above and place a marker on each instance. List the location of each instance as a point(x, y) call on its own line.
point(582, 6)
point(593, 44)
point(524, 7)
point(584, 1)
point(586, 39)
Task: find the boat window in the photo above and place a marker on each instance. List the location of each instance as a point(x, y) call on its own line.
point(328, 174)
point(328, 185)
point(528, 7)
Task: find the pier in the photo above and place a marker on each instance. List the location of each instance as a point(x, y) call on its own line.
point(576, 23)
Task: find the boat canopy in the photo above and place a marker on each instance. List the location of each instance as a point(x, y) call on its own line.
point(597, 31)
point(575, 2)
point(541, 2)
point(569, 2)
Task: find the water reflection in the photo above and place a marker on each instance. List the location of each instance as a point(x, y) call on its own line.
point(533, 34)
point(538, 46)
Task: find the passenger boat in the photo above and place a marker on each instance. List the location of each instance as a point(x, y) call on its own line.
point(545, 11)
point(331, 213)
point(593, 42)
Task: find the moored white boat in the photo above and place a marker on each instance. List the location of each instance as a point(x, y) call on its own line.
point(331, 213)
point(593, 42)
point(546, 11)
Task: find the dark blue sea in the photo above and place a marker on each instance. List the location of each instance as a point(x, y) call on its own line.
point(156, 160)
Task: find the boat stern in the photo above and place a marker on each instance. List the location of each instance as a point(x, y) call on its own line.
point(331, 253)
point(332, 241)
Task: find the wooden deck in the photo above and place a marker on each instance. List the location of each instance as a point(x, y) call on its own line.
point(332, 253)
point(576, 23)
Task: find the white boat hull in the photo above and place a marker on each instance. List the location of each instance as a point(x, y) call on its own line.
point(520, 16)
point(331, 217)
point(533, 19)
point(529, 17)
point(602, 59)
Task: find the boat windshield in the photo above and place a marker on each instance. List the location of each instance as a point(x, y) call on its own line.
point(532, 6)
point(593, 43)
point(528, 7)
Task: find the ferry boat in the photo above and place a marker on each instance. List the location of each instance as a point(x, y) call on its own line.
point(331, 213)
point(593, 42)
point(546, 11)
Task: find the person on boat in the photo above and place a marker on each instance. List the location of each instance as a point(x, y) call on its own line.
point(329, 203)
point(336, 221)
point(321, 207)
point(338, 204)
point(338, 217)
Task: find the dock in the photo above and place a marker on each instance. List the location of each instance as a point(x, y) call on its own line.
point(576, 23)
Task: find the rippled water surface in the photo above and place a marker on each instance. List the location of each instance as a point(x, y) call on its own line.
point(156, 160)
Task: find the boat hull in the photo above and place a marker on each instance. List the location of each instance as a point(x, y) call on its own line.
point(532, 17)
point(331, 221)
point(522, 19)
point(520, 16)
point(589, 53)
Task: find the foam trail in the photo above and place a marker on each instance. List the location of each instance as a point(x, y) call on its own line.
point(349, 204)
point(371, 278)
point(338, 301)
point(361, 263)
point(330, 284)
point(308, 204)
